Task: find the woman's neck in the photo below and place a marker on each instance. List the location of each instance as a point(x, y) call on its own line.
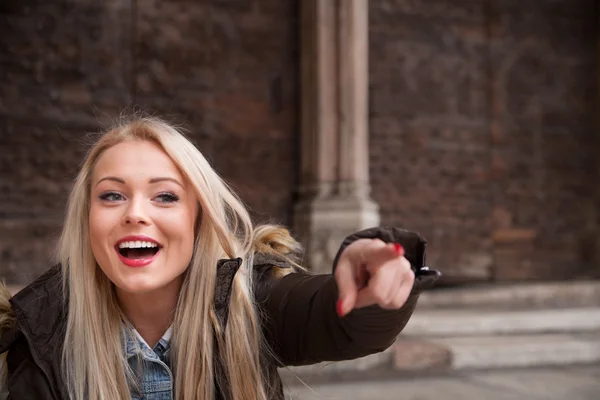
point(150, 313)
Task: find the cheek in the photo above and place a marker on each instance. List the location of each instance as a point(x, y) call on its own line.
point(188, 241)
point(185, 238)
point(99, 228)
point(188, 224)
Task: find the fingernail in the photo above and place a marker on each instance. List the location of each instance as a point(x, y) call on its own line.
point(399, 249)
point(339, 309)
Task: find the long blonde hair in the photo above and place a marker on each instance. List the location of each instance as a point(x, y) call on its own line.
point(7, 320)
point(93, 359)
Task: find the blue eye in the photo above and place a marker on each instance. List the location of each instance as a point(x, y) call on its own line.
point(167, 197)
point(111, 196)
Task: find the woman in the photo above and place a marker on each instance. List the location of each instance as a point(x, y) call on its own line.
point(165, 290)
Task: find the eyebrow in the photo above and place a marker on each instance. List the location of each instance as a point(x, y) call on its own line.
point(163, 179)
point(153, 180)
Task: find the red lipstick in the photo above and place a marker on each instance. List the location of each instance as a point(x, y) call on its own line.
point(137, 262)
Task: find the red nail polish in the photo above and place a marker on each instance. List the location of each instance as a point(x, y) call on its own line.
point(399, 249)
point(338, 308)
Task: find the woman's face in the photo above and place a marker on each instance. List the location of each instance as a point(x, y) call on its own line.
point(142, 218)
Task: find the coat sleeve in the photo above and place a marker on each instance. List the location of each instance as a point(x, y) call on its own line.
point(300, 319)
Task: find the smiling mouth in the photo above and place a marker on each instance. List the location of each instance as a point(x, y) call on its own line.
point(139, 253)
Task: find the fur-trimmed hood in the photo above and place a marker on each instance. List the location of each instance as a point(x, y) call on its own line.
point(7, 314)
point(7, 321)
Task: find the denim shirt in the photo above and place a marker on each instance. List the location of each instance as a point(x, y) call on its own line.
point(152, 366)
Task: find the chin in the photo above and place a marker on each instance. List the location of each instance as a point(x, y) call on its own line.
point(139, 286)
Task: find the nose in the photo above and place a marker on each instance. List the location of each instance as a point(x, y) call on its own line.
point(135, 213)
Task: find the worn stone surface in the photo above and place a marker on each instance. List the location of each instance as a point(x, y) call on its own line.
point(537, 296)
point(482, 322)
point(411, 354)
point(482, 352)
point(579, 383)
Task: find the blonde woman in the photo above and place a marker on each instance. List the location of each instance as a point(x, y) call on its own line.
point(165, 290)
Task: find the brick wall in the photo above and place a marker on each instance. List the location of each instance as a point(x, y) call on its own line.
point(482, 117)
point(225, 68)
point(483, 132)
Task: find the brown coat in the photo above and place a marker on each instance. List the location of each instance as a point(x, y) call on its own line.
point(300, 324)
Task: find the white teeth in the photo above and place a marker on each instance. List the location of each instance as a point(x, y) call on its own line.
point(136, 245)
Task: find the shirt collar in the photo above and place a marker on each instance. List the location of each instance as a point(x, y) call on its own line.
point(134, 343)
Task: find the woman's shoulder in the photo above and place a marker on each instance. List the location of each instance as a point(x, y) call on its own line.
point(268, 269)
point(29, 324)
point(38, 306)
point(273, 264)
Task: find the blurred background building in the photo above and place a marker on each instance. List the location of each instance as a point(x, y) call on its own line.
point(472, 122)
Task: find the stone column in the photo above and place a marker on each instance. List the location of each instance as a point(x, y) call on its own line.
point(334, 181)
point(597, 197)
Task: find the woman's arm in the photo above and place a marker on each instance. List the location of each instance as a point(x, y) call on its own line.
point(300, 317)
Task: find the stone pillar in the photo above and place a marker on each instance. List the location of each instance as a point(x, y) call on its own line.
point(597, 194)
point(334, 181)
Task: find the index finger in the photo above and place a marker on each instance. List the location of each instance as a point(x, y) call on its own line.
point(376, 257)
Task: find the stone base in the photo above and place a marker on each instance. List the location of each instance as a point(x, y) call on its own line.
point(514, 351)
point(322, 225)
point(514, 297)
